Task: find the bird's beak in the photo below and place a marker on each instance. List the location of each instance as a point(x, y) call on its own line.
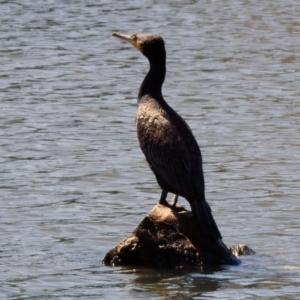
point(126, 37)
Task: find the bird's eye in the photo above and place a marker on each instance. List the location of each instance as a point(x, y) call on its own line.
point(134, 38)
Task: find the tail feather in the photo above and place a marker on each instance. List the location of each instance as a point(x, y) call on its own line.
point(204, 219)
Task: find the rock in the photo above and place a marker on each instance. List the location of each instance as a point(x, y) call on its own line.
point(168, 238)
point(241, 249)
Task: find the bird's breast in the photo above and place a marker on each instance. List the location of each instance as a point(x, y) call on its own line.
point(154, 126)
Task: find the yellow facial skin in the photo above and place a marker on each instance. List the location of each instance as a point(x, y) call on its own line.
point(132, 39)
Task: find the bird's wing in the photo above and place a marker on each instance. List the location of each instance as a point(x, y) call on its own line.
point(172, 152)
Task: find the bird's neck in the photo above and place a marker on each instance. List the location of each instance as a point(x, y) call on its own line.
point(154, 80)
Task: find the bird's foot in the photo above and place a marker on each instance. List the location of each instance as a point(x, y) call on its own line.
point(164, 202)
point(172, 204)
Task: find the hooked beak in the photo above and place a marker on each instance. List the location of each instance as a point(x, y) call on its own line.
point(128, 38)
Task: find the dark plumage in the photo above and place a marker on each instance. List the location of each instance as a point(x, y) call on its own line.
point(167, 141)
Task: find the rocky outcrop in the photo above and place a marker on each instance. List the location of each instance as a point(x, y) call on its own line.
point(168, 238)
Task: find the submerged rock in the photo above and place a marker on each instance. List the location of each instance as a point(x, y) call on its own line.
point(241, 249)
point(168, 238)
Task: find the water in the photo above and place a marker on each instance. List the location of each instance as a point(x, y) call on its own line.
point(74, 181)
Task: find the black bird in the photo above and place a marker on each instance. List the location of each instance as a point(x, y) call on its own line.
point(167, 141)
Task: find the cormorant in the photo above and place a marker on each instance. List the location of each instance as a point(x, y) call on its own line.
point(166, 140)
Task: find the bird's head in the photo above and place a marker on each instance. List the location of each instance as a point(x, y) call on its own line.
point(151, 45)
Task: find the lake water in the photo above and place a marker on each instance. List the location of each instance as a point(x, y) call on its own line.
point(73, 180)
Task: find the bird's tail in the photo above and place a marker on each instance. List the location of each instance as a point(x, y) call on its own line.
point(204, 219)
point(211, 239)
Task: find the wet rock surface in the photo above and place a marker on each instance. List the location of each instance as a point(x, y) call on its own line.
point(241, 249)
point(168, 238)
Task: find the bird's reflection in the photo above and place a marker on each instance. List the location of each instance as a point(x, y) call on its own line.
point(168, 284)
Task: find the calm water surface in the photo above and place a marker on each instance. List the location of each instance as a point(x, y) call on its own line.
point(73, 179)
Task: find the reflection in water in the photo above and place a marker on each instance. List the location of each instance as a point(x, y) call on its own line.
point(172, 284)
point(73, 180)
